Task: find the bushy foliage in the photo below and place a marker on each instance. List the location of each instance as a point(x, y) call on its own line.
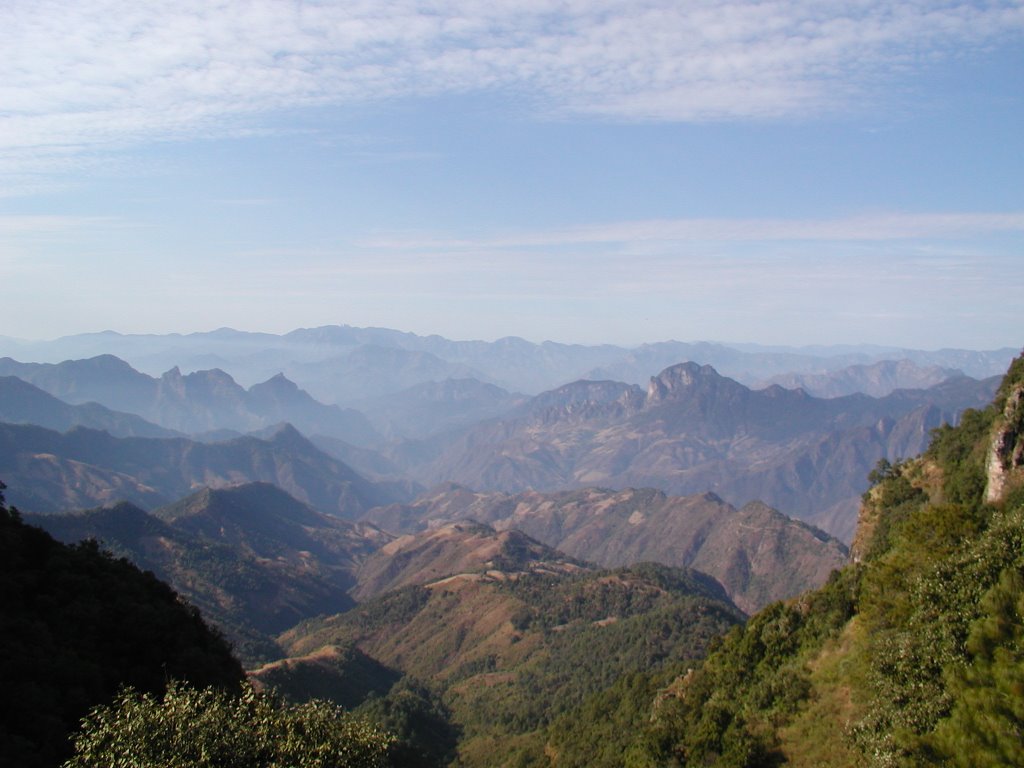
point(554, 601)
point(919, 638)
point(597, 628)
point(599, 733)
point(894, 493)
point(424, 735)
point(207, 728)
point(724, 712)
point(960, 451)
point(931, 664)
point(986, 725)
point(77, 624)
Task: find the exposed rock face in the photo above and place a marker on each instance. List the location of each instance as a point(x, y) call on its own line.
point(1006, 453)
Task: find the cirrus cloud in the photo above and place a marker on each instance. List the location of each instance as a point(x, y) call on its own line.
point(83, 77)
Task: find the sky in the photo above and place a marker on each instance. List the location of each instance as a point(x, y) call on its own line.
point(783, 172)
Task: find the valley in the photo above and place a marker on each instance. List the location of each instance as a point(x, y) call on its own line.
point(495, 576)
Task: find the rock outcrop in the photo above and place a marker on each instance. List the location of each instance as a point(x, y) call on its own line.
point(1004, 468)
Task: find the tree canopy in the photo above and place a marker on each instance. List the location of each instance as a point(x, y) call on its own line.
point(209, 728)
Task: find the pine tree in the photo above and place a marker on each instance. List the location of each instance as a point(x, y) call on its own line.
point(986, 725)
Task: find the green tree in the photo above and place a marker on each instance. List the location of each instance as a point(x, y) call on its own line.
point(77, 624)
point(209, 728)
point(986, 726)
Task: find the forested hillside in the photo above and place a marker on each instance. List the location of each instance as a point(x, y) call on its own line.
point(911, 656)
point(509, 652)
point(77, 625)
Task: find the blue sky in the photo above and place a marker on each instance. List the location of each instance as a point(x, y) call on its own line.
point(779, 172)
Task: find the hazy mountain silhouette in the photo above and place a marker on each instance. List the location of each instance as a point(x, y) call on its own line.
point(84, 468)
point(695, 430)
point(23, 403)
point(198, 402)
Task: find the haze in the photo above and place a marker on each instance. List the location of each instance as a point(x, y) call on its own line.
point(783, 172)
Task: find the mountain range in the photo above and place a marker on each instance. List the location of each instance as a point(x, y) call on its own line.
point(694, 430)
point(553, 598)
point(756, 553)
point(255, 560)
point(878, 379)
point(195, 403)
point(50, 471)
point(23, 403)
point(341, 364)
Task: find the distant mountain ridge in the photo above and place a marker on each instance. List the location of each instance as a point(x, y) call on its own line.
point(23, 403)
point(50, 472)
point(341, 363)
point(194, 403)
point(454, 548)
point(695, 430)
point(878, 379)
point(433, 407)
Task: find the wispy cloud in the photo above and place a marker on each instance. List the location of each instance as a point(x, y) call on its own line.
point(873, 227)
point(83, 77)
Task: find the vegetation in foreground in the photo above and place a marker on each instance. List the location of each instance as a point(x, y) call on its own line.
point(77, 625)
point(207, 728)
point(911, 656)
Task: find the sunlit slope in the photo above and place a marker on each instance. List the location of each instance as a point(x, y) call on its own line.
point(911, 655)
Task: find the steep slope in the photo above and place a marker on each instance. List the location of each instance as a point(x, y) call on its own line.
point(75, 626)
point(911, 656)
point(695, 431)
point(346, 676)
point(254, 560)
point(83, 468)
point(758, 554)
point(262, 520)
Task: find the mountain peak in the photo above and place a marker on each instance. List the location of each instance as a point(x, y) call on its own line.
point(285, 434)
point(278, 384)
point(106, 362)
point(681, 379)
